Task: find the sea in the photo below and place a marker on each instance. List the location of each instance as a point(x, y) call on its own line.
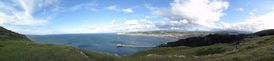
point(104, 42)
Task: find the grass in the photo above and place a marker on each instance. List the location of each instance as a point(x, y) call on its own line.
point(181, 53)
point(16, 47)
point(29, 51)
point(255, 49)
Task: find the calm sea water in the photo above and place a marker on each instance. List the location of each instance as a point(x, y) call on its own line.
point(101, 42)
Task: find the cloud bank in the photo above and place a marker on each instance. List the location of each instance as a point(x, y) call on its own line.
point(254, 23)
point(187, 15)
point(182, 15)
point(193, 15)
point(203, 12)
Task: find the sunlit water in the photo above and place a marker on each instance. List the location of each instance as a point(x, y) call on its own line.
point(102, 42)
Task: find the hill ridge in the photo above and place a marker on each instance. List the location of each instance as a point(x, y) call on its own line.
point(6, 34)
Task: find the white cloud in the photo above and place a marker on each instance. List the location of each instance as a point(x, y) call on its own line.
point(254, 23)
point(127, 10)
point(112, 7)
point(127, 26)
point(115, 8)
point(255, 10)
point(12, 14)
point(132, 25)
point(251, 13)
point(193, 15)
point(240, 9)
point(202, 12)
point(158, 11)
point(88, 6)
point(182, 15)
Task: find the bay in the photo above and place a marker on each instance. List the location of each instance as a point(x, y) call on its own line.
point(106, 42)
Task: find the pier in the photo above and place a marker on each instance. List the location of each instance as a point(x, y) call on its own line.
point(133, 46)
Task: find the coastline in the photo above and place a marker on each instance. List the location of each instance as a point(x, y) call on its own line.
point(171, 36)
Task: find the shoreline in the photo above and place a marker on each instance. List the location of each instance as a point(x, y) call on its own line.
point(173, 36)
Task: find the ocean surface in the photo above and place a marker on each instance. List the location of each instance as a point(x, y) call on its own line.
point(106, 43)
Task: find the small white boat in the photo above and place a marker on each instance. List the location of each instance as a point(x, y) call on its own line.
point(119, 45)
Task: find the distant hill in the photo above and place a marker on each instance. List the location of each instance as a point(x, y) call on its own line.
point(9, 35)
point(231, 32)
point(221, 46)
point(187, 32)
point(174, 35)
point(265, 32)
point(217, 37)
point(253, 49)
point(205, 40)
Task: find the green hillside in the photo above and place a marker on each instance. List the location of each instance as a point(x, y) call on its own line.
point(9, 35)
point(255, 49)
point(16, 47)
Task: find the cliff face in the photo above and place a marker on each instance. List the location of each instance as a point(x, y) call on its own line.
point(10, 35)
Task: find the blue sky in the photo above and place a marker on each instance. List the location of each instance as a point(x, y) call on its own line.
point(104, 16)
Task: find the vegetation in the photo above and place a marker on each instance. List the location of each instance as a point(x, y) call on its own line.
point(9, 35)
point(265, 32)
point(16, 47)
point(174, 35)
point(254, 49)
point(169, 32)
point(206, 40)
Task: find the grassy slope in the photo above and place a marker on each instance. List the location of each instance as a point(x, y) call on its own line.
point(15, 47)
point(29, 51)
point(255, 49)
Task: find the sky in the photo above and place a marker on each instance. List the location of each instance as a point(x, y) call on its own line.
point(108, 16)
